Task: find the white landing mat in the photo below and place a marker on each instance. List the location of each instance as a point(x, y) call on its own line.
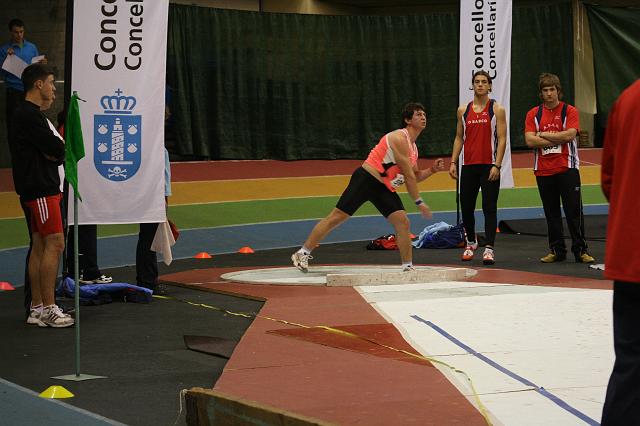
point(348, 275)
point(536, 355)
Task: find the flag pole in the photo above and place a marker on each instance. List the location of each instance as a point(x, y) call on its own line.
point(76, 279)
point(74, 141)
point(72, 103)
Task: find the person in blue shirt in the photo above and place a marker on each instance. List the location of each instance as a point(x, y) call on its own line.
point(26, 51)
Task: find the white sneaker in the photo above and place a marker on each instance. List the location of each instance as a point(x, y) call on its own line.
point(488, 257)
point(408, 268)
point(102, 279)
point(34, 318)
point(301, 261)
point(52, 316)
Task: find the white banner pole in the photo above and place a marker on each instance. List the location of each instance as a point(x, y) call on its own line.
point(485, 44)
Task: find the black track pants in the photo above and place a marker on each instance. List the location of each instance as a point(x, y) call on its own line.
point(472, 178)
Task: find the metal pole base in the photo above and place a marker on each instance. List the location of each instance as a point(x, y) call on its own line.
point(78, 377)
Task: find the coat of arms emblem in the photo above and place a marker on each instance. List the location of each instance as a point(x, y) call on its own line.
point(117, 138)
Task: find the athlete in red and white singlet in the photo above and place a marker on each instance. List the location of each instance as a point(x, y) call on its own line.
point(549, 160)
point(551, 130)
point(476, 159)
point(480, 135)
point(383, 160)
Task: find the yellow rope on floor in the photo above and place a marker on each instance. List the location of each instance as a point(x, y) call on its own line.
point(476, 397)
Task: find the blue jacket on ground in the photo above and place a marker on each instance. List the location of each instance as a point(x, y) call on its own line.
point(94, 294)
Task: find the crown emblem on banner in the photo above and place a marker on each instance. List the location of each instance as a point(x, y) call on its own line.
point(117, 104)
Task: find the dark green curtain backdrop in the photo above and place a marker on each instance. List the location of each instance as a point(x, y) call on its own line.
point(250, 85)
point(615, 36)
point(541, 41)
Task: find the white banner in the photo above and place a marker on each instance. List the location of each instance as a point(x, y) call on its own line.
point(485, 44)
point(119, 62)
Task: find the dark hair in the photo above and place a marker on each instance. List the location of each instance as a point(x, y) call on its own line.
point(549, 80)
point(408, 110)
point(481, 72)
point(33, 73)
point(15, 22)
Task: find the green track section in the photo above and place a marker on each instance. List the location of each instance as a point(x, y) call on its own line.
point(243, 212)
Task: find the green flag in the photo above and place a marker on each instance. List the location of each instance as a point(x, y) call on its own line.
point(74, 144)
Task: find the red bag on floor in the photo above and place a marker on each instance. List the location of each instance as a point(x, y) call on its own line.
point(385, 242)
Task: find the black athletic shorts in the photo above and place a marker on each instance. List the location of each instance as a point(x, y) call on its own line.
point(362, 188)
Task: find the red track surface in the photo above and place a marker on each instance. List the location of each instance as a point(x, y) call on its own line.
point(337, 378)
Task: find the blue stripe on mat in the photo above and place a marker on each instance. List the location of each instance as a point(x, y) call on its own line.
point(542, 391)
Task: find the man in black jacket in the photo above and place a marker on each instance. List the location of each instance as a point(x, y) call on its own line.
point(37, 150)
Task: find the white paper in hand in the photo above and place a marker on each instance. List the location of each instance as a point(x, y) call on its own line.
point(14, 65)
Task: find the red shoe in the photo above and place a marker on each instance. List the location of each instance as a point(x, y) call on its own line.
point(468, 251)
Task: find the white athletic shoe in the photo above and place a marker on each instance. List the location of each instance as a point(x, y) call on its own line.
point(408, 268)
point(102, 279)
point(52, 316)
point(34, 318)
point(488, 257)
point(301, 261)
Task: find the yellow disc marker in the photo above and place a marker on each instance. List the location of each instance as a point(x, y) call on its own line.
point(56, 392)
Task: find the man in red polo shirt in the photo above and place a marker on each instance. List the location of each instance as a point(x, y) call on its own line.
point(551, 129)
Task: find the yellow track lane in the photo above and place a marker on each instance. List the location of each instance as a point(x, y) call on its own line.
point(217, 191)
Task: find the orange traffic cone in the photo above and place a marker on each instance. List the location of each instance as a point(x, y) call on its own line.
point(246, 250)
point(202, 255)
point(5, 286)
